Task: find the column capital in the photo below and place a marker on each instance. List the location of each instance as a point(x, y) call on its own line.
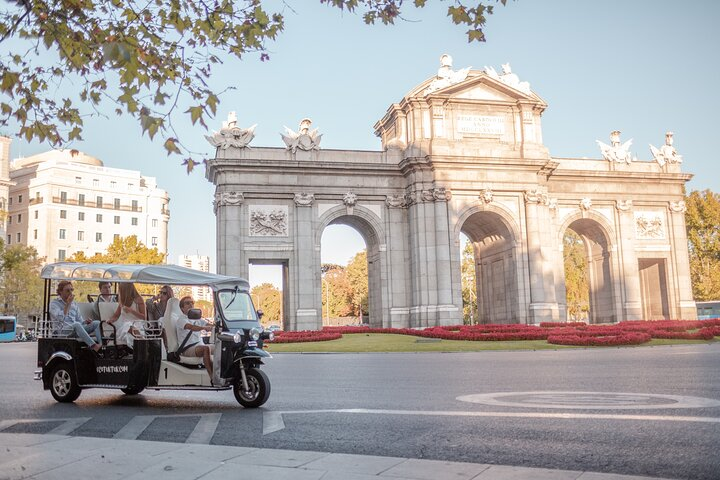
point(304, 199)
point(224, 199)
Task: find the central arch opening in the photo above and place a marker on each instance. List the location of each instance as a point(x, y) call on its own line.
point(496, 289)
point(588, 275)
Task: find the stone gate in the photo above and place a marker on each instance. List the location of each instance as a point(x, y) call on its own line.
point(461, 153)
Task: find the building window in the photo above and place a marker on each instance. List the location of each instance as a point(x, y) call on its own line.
point(153, 242)
point(19, 217)
point(37, 196)
point(63, 197)
point(134, 221)
point(117, 220)
point(113, 184)
point(63, 213)
point(10, 220)
point(36, 214)
point(62, 234)
point(18, 236)
point(81, 235)
point(78, 180)
point(81, 216)
point(9, 239)
point(98, 202)
point(35, 234)
point(134, 205)
point(10, 201)
point(19, 198)
point(116, 237)
point(130, 186)
point(98, 218)
point(98, 237)
point(154, 222)
point(96, 182)
point(116, 204)
point(61, 255)
point(81, 199)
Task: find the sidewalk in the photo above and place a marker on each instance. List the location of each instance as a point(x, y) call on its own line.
point(59, 457)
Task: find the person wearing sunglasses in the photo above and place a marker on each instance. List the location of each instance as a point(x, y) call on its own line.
point(156, 305)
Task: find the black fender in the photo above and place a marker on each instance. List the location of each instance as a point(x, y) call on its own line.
point(56, 357)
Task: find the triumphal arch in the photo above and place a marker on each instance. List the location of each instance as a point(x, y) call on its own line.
point(461, 153)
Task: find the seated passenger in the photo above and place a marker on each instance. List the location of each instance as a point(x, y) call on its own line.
point(131, 313)
point(184, 325)
point(66, 318)
point(104, 296)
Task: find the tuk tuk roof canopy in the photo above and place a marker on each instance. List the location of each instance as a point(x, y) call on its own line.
point(152, 274)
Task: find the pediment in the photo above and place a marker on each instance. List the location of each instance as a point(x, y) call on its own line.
point(478, 86)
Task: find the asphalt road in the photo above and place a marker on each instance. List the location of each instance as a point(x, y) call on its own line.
point(408, 405)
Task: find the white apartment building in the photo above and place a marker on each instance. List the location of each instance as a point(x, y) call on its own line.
point(201, 263)
point(4, 182)
point(63, 202)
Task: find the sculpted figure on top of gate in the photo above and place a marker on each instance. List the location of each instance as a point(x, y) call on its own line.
point(508, 78)
point(230, 135)
point(446, 76)
point(666, 153)
point(304, 139)
point(616, 152)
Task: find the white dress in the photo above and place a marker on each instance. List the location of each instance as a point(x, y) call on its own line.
point(123, 325)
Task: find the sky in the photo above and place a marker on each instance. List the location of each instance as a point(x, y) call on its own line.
point(642, 67)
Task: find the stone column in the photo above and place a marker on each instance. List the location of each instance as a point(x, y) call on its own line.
point(630, 273)
point(306, 275)
point(678, 235)
point(447, 312)
point(231, 231)
point(543, 304)
point(398, 268)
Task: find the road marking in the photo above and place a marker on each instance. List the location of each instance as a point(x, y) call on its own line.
point(67, 426)
point(277, 423)
point(589, 400)
point(202, 433)
point(205, 429)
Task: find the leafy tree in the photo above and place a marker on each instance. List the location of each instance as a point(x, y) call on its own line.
point(121, 250)
point(21, 288)
point(577, 291)
point(268, 298)
point(357, 273)
point(337, 293)
point(207, 308)
point(469, 289)
point(147, 59)
point(702, 221)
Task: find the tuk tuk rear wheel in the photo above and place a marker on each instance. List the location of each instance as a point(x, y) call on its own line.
point(63, 383)
point(258, 392)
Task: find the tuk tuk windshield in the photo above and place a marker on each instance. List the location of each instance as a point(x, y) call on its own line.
point(237, 308)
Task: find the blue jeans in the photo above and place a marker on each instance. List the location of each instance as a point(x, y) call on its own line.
point(82, 331)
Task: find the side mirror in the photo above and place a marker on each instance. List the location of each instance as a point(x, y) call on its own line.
point(260, 313)
point(194, 314)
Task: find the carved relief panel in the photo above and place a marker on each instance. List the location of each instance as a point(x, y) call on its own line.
point(268, 221)
point(650, 225)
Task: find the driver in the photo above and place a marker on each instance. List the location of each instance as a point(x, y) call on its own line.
point(185, 325)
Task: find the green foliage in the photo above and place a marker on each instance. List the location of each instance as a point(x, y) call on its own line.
point(144, 59)
point(702, 221)
point(577, 292)
point(469, 288)
point(20, 284)
point(268, 299)
point(126, 250)
point(357, 274)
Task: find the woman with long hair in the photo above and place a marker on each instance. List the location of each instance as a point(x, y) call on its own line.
point(131, 313)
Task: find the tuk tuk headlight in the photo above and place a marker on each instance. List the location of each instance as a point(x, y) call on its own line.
point(237, 338)
point(255, 333)
point(231, 337)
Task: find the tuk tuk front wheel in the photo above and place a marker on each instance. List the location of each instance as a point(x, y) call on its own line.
point(63, 383)
point(132, 391)
point(258, 391)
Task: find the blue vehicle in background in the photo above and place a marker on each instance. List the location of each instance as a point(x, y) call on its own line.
point(706, 310)
point(7, 328)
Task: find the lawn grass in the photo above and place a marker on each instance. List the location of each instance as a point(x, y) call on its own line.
point(387, 342)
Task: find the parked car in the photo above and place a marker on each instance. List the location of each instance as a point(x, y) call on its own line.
point(274, 328)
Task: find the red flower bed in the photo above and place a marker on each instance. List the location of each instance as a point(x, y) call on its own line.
point(605, 341)
point(305, 336)
point(558, 333)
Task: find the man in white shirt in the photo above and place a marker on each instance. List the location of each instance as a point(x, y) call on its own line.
point(194, 347)
point(66, 318)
